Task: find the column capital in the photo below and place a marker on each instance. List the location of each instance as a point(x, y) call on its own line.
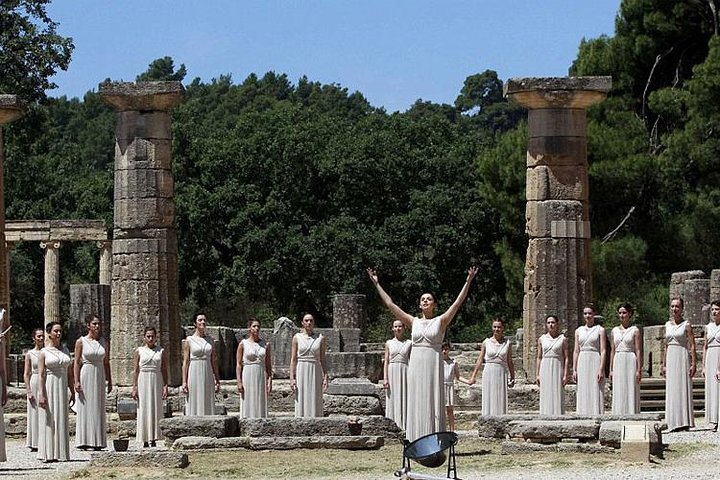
point(557, 92)
point(11, 108)
point(142, 96)
point(50, 244)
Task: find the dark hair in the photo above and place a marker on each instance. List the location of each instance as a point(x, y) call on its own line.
point(589, 305)
point(552, 316)
point(498, 319)
point(251, 320)
point(682, 302)
point(447, 345)
point(90, 317)
point(49, 326)
point(37, 329)
point(150, 329)
point(432, 295)
point(716, 303)
point(197, 314)
point(627, 307)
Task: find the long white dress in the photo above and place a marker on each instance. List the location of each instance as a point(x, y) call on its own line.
point(625, 388)
point(54, 432)
point(254, 376)
point(426, 391)
point(590, 399)
point(552, 392)
point(31, 439)
point(150, 401)
point(712, 334)
point(308, 376)
point(451, 371)
point(396, 396)
point(495, 377)
point(3, 454)
point(678, 384)
point(90, 430)
point(201, 384)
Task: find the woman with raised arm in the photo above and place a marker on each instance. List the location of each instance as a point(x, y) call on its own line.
point(199, 370)
point(150, 388)
point(92, 381)
point(499, 371)
point(551, 368)
point(426, 377)
point(625, 364)
point(254, 372)
point(678, 368)
point(30, 375)
point(55, 396)
point(395, 365)
point(589, 365)
point(711, 357)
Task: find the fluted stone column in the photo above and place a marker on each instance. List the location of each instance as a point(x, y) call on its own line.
point(557, 267)
point(145, 287)
point(11, 108)
point(106, 262)
point(52, 281)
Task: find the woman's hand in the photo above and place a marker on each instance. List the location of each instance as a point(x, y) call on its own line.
point(472, 271)
point(373, 275)
point(165, 392)
point(184, 388)
point(240, 388)
point(601, 375)
point(31, 398)
point(134, 394)
point(42, 401)
point(293, 385)
point(78, 387)
point(386, 385)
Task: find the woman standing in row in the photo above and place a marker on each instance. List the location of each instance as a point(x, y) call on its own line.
point(625, 364)
point(426, 383)
point(711, 356)
point(395, 365)
point(92, 380)
point(30, 375)
point(55, 396)
point(552, 361)
point(150, 388)
point(589, 364)
point(199, 370)
point(678, 367)
point(308, 372)
point(499, 372)
point(254, 372)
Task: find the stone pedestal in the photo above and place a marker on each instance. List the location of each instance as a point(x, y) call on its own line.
point(86, 299)
point(145, 287)
point(557, 267)
point(52, 281)
point(348, 311)
point(11, 108)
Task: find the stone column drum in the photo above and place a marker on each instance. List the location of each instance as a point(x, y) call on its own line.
point(558, 276)
point(52, 281)
point(11, 108)
point(145, 257)
point(106, 263)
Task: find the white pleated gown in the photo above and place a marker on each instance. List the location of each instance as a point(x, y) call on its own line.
point(678, 384)
point(589, 391)
point(91, 420)
point(495, 377)
point(53, 428)
point(31, 438)
point(308, 376)
point(254, 400)
point(451, 371)
point(150, 401)
point(396, 396)
point(201, 384)
point(426, 389)
point(552, 391)
point(625, 388)
point(712, 332)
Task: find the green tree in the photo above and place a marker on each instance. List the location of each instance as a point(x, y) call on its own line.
point(163, 69)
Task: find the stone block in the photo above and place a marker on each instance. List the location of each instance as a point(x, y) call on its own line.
point(143, 154)
point(557, 92)
point(85, 299)
point(353, 386)
point(225, 345)
point(349, 311)
point(141, 459)
point(557, 122)
point(142, 213)
point(635, 443)
point(697, 301)
point(308, 427)
point(355, 364)
point(142, 96)
point(557, 182)
point(281, 443)
point(539, 215)
point(349, 339)
point(557, 151)
point(126, 409)
point(610, 433)
point(133, 125)
point(143, 183)
point(207, 426)
point(553, 430)
point(353, 405)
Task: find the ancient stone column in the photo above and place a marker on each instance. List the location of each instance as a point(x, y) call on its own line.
point(11, 108)
point(106, 262)
point(557, 267)
point(87, 299)
point(145, 257)
point(715, 285)
point(52, 281)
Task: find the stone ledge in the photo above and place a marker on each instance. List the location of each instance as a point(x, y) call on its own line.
point(611, 432)
point(511, 447)
point(349, 442)
point(553, 430)
point(161, 459)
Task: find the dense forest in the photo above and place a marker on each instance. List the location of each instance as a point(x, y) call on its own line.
point(287, 190)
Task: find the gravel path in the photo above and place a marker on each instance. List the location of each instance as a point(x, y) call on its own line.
point(22, 464)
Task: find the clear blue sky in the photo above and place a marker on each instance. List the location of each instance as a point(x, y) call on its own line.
point(393, 51)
